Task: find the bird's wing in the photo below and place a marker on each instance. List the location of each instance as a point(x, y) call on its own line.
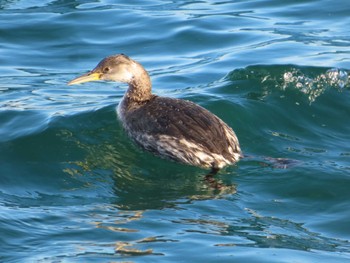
point(182, 119)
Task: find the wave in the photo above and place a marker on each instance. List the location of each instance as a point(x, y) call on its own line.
point(312, 81)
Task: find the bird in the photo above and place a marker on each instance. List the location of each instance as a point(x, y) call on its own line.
point(172, 128)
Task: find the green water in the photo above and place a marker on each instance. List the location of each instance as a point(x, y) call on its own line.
point(75, 188)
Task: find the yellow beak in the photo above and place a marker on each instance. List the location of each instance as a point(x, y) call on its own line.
point(85, 78)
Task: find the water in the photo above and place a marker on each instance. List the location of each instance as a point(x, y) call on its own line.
point(74, 188)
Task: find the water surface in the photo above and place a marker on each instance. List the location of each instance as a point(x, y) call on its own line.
point(74, 188)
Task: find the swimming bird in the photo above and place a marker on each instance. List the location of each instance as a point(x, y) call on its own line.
point(176, 129)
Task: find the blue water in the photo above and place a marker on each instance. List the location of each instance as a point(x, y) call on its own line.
point(75, 188)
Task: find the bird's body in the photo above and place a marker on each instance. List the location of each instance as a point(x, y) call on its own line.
point(180, 130)
point(176, 129)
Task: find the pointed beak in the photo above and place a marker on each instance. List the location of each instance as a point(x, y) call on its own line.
point(90, 76)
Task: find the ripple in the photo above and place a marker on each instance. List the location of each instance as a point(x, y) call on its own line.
point(74, 187)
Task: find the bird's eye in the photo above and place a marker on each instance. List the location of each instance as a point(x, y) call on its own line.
point(106, 69)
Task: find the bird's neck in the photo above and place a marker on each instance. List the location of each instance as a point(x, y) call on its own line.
point(140, 87)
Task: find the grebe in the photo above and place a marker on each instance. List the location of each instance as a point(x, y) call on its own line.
point(176, 129)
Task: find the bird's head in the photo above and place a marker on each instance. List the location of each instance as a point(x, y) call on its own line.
point(118, 68)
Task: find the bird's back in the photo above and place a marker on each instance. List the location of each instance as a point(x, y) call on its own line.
point(181, 130)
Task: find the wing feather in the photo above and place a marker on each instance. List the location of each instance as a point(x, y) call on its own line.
point(182, 119)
